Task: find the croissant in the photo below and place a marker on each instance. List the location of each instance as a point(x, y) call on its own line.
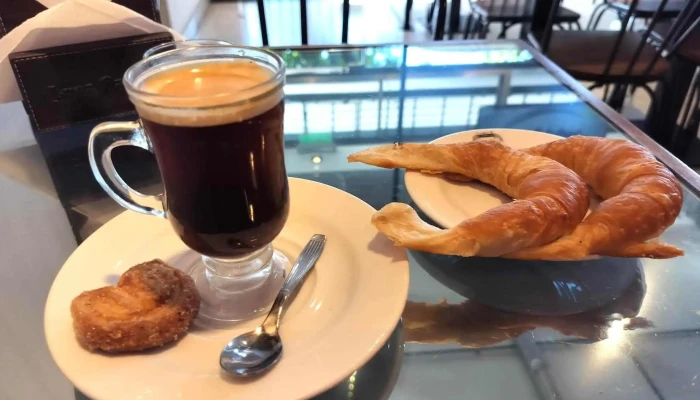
point(551, 199)
point(642, 199)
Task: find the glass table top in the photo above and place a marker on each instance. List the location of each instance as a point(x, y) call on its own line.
point(473, 328)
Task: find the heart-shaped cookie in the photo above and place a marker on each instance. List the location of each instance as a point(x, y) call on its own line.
point(153, 304)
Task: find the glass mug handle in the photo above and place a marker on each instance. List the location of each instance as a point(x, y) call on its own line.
point(106, 137)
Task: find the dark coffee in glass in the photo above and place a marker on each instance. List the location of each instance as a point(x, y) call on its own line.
point(213, 116)
point(224, 178)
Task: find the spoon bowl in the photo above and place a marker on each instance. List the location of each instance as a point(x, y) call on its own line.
point(251, 353)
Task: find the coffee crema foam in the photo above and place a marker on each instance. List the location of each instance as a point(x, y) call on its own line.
point(207, 93)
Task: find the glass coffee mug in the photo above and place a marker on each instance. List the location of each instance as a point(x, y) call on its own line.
point(163, 47)
point(213, 117)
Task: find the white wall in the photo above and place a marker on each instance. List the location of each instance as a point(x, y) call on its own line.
point(183, 15)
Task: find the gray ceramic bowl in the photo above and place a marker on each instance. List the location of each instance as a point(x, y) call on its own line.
point(536, 287)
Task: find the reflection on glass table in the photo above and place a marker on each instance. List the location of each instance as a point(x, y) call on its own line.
point(335, 113)
point(374, 94)
point(473, 324)
point(339, 101)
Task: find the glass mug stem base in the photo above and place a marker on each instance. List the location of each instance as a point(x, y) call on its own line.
point(233, 290)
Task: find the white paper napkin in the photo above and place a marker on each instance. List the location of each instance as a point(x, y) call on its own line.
point(51, 3)
point(70, 22)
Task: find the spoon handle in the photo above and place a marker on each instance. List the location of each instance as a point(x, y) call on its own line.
point(307, 259)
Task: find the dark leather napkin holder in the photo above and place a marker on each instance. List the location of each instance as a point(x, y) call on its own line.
point(67, 90)
point(67, 85)
point(14, 12)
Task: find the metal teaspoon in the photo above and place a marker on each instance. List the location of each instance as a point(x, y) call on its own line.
point(256, 351)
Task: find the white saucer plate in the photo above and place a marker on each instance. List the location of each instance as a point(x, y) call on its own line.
point(449, 202)
point(343, 314)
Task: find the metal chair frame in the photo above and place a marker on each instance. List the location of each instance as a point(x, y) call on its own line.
point(678, 32)
point(689, 124)
point(477, 26)
point(304, 22)
point(604, 7)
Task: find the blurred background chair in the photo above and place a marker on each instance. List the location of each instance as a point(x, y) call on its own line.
point(685, 136)
point(616, 60)
point(674, 110)
point(304, 22)
point(438, 29)
point(508, 13)
point(645, 9)
point(483, 13)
